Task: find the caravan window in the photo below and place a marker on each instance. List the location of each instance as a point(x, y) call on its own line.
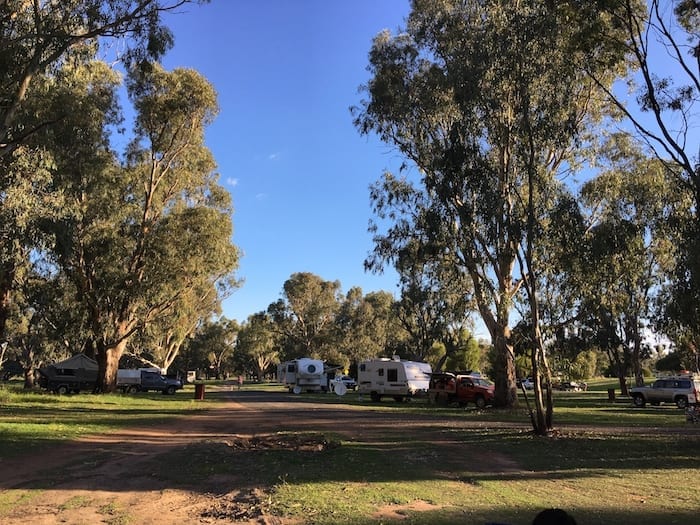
point(363, 367)
point(291, 367)
point(380, 372)
point(392, 374)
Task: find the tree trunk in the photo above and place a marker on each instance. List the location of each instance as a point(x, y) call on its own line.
point(544, 405)
point(505, 387)
point(108, 362)
point(7, 274)
point(637, 356)
point(29, 378)
point(617, 363)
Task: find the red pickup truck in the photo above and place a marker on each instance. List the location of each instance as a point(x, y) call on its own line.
point(453, 387)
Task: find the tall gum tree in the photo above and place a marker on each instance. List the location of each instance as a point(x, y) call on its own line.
point(662, 39)
point(36, 35)
point(306, 315)
point(142, 236)
point(37, 40)
point(633, 245)
point(486, 100)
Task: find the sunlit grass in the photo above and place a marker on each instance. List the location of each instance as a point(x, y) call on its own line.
point(30, 420)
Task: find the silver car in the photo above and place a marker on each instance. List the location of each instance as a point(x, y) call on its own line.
point(681, 390)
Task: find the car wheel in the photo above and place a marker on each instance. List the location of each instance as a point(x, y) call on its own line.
point(132, 389)
point(681, 401)
point(638, 400)
point(480, 402)
point(62, 390)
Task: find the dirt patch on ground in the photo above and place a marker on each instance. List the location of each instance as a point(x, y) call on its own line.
point(399, 512)
point(109, 478)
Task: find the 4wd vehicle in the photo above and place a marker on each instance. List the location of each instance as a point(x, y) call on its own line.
point(454, 387)
point(143, 380)
point(681, 390)
point(349, 382)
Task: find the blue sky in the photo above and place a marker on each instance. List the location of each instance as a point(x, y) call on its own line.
point(286, 73)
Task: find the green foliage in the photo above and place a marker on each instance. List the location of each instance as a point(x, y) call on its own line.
point(682, 358)
point(69, 202)
point(584, 366)
point(491, 102)
point(39, 39)
point(257, 347)
point(305, 316)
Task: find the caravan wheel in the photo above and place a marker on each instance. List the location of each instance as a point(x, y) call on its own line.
point(62, 390)
point(374, 396)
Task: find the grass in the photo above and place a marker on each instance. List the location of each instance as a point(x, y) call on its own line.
point(34, 420)
point(488, 473)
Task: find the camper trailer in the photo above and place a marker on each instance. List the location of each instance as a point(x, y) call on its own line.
point(78, 373)
point(393, 377)
point(303, 375)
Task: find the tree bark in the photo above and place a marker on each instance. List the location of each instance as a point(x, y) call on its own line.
point(108, 362)
point(504, 379)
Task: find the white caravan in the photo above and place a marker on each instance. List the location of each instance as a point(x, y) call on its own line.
point(393, 377)
point(303, 375)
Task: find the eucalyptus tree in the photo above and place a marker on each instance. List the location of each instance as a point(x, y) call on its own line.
point(84, 93)
point(257, 348)
point(35, 326)
point(633, 245)
point(140, 236)
point(305, 316)
point(663, 42)
point(39, 40)
point(435, 302)
point(487, 100)
point(367, 325)
point(36, 36)
point(217, 340)
point(165, 336)
point(25, 198)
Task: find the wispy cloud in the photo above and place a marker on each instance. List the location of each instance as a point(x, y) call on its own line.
point(273, 156)
point(232, 182)
point(261, 196)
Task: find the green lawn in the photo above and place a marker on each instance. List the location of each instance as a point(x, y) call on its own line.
point(31, 420)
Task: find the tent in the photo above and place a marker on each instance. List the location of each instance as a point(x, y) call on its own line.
point(76, 362)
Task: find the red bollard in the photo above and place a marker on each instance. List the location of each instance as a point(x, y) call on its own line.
point(199, 391)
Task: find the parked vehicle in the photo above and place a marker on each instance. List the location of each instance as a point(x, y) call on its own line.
point(303, 375)
point(75, 374)
point(527, 383)
point(572, 386)
point(349, 382)
point(681, 389)
point(394, 377)
point(462, 388)
point(145, 379)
